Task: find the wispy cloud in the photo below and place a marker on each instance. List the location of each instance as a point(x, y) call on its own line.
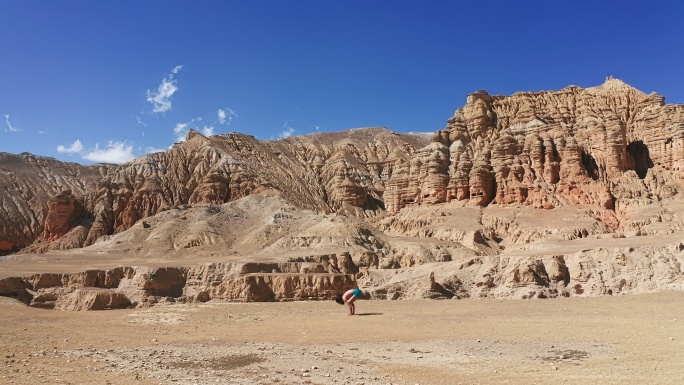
point(140, 121)
point(181, 129)
point(115, 152)
point(208, 130)
point(10, 127)
point(75, 148)
point(161, 99)
point(287, 131)
point(41, 132)
point(150, 149)
point(225, 116)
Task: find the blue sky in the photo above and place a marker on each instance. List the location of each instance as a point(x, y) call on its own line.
point(106, 81)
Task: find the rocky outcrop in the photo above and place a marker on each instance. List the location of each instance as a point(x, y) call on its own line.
point(89, 299)
point(611, 146)
point(15, 287)
point(574, 146)
point(322, 172)
point(28, 183)
point(319, 278)
point(64, 212)
point(507, 174)
point(603, 271)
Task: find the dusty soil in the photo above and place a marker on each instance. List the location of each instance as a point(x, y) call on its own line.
point(634, 339)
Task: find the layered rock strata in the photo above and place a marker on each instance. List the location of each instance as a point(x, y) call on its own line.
point(610, 146)
point(603, 271)
point(126, 287)
point(450, 217)
point(28, 183)
point(321, 172)
point(64, 213)
point(592, 146)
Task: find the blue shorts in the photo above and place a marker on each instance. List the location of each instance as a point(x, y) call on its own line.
point(357, 293)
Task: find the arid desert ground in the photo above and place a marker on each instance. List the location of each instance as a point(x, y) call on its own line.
point(635, 339)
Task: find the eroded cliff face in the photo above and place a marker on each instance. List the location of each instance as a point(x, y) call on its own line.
point(610, 146)
point(610, 270)
point(320, 172)
point(318, 278)
point(538, 194)
point(28, 183)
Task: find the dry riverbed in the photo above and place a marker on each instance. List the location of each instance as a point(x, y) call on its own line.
point(634, 339)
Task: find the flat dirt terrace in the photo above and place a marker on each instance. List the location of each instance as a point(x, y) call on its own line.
point(636, 339)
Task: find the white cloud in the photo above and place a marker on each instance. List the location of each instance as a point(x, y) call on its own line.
point(150, 149)
point(115, 152)
point(161, 100)
point(287, 131)
point(9, 124)
point(75, 148)
point(226, 116)
point(181, 129)
point(41, 132)
point(208, 131)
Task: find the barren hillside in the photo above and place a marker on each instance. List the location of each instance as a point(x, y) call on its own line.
point(538, 194)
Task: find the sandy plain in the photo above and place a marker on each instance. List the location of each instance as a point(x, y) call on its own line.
point(635, 339)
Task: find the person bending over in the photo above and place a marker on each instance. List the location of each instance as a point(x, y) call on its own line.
point(349, 297)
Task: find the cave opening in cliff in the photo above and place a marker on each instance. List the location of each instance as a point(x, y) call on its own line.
point(638, 158)
point(590, 165)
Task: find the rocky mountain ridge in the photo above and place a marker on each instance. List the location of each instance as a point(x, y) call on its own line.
point(507, 179)
point(321, 172)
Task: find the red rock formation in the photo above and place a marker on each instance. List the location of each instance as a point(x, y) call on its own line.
point(610, 146)
point(552, 148)
point(64, 212)
point(7, 245)
point(322, 172)
point(27, 183)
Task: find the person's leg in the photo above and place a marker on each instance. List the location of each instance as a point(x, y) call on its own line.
point(350, 303)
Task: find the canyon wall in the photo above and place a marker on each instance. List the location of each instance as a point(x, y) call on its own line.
point(609, 146)
point(125, 287)
point(466, 212)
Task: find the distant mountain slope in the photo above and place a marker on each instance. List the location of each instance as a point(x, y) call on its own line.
point(27, 182)
point(611, 147)
point(321, 172)
point(533, 195)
